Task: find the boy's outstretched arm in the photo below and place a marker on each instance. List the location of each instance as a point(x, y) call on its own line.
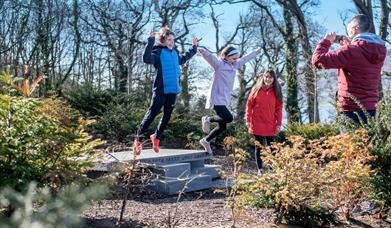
point(183, 58)
point(247, 57)
point(148, 56)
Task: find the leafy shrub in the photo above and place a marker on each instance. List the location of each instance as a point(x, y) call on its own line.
point(117, 114)
point(184, 129)
point(312, 131)
point(379, 130)
point(88, 100)
point(39, 208)
point(39, 145)
point(117, 122)
point(309, 182)
point(122, 117)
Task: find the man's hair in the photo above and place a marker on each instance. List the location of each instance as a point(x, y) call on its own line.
point(163, 34)
point(362, 21)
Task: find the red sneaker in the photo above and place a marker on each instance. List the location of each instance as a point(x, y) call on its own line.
point(137, 146)
point(155, 143)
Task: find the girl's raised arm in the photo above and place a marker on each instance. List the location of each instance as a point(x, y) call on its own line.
point(247, 57)
point(210, 58)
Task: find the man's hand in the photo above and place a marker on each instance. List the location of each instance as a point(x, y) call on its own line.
point(344, 41)
point(195, 41)
point(152, 34)
point(330, 36)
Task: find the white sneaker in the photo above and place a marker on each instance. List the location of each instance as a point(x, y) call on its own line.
point(206, 146)
point(205, 124)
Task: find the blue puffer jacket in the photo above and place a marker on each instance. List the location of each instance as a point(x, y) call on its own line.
point(166, 63)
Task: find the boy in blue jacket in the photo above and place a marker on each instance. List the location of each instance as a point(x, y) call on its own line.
point(166, 60)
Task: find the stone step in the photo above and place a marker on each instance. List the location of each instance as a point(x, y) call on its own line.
point(175, 185)
point(180, 170)
point(114, 160)
point(211, 170)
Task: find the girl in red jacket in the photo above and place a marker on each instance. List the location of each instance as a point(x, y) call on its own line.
point(264, 112)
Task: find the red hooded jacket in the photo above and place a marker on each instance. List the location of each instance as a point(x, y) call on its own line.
point(359, 65)
point(264, 113)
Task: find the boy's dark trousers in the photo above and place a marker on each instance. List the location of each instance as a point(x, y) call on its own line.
point(167, 101)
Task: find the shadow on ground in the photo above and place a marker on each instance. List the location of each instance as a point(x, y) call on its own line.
point(110, 223)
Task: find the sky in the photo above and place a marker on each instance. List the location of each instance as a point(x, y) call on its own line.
point(327, 14)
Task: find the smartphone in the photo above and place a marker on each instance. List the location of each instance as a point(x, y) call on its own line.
point(338, 38)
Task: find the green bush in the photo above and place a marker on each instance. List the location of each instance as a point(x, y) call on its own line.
point(312, 131)
point(184, 128)
point(117, 114)
point(88, 100)
point(39, 208)
point(42, 146)
point(379, 130)
point(121, 118)
point(239, 130)
point(117, 122)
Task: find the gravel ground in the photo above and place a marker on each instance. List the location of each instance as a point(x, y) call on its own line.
point(196, 209)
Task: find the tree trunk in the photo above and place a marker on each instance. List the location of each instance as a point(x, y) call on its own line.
point(242, 95)
point(384, 18)
point(291, 61)
point(310, 77)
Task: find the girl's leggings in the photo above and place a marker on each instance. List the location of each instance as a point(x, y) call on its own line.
point(264, 141)
point(223, 117)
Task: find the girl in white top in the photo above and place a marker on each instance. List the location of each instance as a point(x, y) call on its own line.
point(219, 96)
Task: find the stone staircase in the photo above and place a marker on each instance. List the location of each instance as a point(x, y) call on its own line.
point(176, 170)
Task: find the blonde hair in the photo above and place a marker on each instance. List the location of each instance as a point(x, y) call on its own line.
point(260, 82)
point(163, 34)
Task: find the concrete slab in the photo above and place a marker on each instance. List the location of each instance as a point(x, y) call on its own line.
point(176, 170)
point(180, 170)
point(211, 170)
point(176, 185)
point(165, 156)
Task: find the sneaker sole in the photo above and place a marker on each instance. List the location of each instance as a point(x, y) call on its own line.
point(156, 149)
point(203, 128)
point(210, 153)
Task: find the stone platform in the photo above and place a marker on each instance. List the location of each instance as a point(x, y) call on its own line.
point(176, 170)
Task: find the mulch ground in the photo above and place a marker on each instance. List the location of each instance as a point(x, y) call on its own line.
point(195, 209)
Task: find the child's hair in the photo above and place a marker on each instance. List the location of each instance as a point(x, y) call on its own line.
point(163, 34)
point(224, 53)
point(260, 81)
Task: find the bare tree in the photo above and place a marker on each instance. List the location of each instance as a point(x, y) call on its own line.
point(118, 34)
point(365, 7)
point(296, 10)
point(245, 78)
point(287, 29)
point(384, 19)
